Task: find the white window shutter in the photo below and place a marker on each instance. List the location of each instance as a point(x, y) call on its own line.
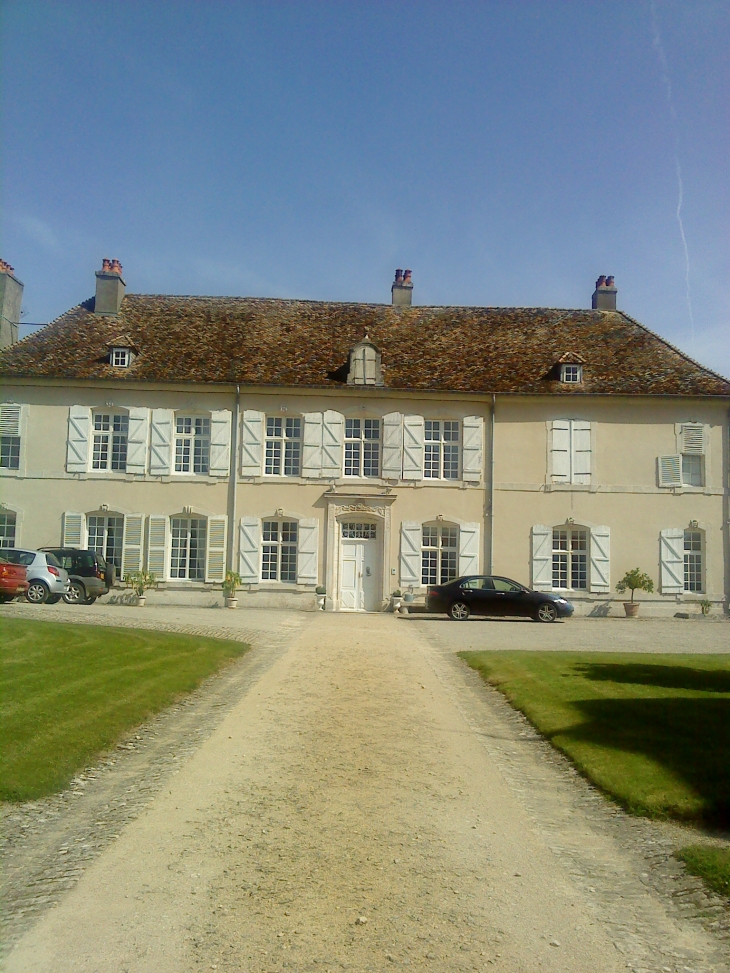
point(158, 541)
point(77, 445)
point(693, 438)
point(161, 442)
point(137, 442)
point(220, 442)
point(252, 443)
point(9, 419)
point(473, 449)
point(542, 557)
point(307, 566)
point(393, 446)
point(73, 530)
point(132, 544)
point(333, 433)
point(312, 444)
point(413, 435)
point(600, 560)
point(670, 470)
point(411, 536)
point(469, 549)
point(215, 558)
point(249, 549)
point(671, 559)
point(581, 451)
point(560, 451)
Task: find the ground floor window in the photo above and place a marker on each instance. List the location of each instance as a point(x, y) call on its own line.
point(439, 554)
point(279, 555)
point(7, 529)
point(693, 560)
point(106, 535)
point(570, 558)
point(187, 559)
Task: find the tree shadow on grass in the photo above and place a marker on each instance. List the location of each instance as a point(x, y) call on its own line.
point(664, 676)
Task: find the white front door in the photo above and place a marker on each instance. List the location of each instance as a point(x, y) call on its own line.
point(359, 574)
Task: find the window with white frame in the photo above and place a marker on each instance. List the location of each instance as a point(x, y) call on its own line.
point(187, 550)
point(283, 446)
point(7, 528)
point(570, 558)
point(362, 447)
point(121, 357)
point(571, 373)
point(693, 560)
point(361, 531)
point(570, 451)
point(105, 537)
point(439, 554)
point(687, 466)
point(111, 432)
point(441, 450)
point(192, 444)
point(9, 436)
point(279, 550)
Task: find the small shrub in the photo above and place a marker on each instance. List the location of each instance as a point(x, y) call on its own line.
point(634, 580)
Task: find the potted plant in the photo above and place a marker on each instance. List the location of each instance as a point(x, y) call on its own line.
point(139, 582)
point(634, 580)
point(395, 600)
point(705, 606)
point(231, 582)
point(321, 593)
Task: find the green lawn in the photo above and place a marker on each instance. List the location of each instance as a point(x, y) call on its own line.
point(70, 691)
point(710, 863)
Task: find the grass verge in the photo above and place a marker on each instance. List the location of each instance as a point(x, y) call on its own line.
point(70, 691)
point(653, 732)
point(709, 863)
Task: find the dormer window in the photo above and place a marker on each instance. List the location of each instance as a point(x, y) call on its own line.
point(364, 367)
point(571, 374)
point(121, 357)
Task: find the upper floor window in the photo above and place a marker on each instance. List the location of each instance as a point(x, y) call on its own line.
point(570, 451)
point(439, 554)
point(111, 432)
point(283, 446)
point(571, 374)
point(9, 436)
point(279, 550)
point(441, 450)
point(7, 528)
point(362, 447)
point(687, 466)
point(192, 444)
point(121, 357)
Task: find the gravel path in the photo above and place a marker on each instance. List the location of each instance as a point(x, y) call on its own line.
point(348, 795)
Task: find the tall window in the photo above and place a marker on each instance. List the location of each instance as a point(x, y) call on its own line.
point(283, 446)
point(106, 535)
point(110, 441)
point(187, 559)
point(441, 457)
point(7, 528)
point(570, 558)
point(279, 556)
point(439, 554)
point(9, 436)
point(693, 560)
point(192, 444)
point(362, 447)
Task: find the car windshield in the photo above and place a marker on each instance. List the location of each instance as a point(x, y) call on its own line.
point(50, 559)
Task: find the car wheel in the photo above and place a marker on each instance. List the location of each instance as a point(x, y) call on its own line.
point(546, 612)
point(37, 592)
point(75, 593)
point(459, 612)
point(90, 599)
point(53, 599)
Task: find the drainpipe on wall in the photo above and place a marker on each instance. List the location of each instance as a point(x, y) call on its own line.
point(233, 482)
point(491, 485)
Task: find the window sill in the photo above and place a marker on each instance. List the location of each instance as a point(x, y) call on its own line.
point(569, 487)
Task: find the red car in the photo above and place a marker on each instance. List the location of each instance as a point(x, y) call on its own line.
point(12, 580)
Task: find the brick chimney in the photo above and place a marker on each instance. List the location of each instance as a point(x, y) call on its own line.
point(110, 287)
point(11, 296)
point(604, 296)
point(402, 289)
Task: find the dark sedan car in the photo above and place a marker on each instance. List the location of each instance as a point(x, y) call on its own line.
point(490, 595)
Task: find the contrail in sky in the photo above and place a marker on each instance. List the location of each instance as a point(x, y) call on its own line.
point(675, 133)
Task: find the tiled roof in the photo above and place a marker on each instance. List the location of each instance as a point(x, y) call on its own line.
point(261, 341)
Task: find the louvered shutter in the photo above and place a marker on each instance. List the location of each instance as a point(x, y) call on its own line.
point(157, 546)
point(600, 560)
point(472, 450)
point(393, 446)
point(670, 471)
point(307, 551)
point(73, 530)
point(215, 561)
point(249, 549)
point(220, 442)
point(9, 419)
point(413, 435)
point(252, 443)
point(671, 560)
point(542, 557)
point(469, 549)
point(161, 442)
point(411, 535)
point(132, 544)
point(312, 445)
point(333, 432)
point(581, 451)
point(560, 451)
point(77, 445)
point(693, 438)
point(137, 440)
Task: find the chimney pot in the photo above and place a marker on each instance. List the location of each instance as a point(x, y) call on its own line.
point(407, 277)
point(106, 265)
point(116, 267)
point(601, 281)
point(398, 276)
point(604, 296)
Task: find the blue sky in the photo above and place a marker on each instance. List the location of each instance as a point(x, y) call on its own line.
point(508, 152)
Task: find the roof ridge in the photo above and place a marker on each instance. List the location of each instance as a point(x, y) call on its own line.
point(682, 354)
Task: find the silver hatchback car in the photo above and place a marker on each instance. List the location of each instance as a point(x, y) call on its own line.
point(47, 580)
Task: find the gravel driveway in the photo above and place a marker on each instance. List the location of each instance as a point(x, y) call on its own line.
point(348, 795)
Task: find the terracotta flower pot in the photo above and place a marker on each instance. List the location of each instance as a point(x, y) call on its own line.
point(631, 608)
